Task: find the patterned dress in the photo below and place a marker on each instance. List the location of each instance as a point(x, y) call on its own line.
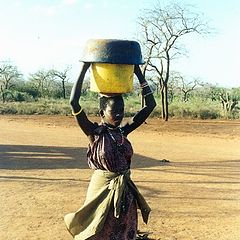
point(112, 151)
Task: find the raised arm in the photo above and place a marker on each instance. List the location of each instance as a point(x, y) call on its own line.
point(86, 125)
point(150, 103)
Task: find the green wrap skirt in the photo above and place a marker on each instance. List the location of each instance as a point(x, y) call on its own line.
point(106, 192)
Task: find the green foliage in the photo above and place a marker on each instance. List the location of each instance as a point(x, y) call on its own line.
point(29, 88)
point(22, 96)
point(132, 104)
point(60, 106)
point(196, 108)
point(43, 106)
point(44, 92)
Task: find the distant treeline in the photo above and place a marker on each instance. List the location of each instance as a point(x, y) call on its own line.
point(48, 91)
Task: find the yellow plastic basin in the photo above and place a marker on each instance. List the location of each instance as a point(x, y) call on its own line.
point(111, 78)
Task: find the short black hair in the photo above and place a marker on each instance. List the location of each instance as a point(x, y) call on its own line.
point(104, 100)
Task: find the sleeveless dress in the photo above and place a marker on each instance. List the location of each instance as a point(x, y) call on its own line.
point(112, 151)
point(110, 209)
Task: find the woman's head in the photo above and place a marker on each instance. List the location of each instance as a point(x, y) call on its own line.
point(112, 109)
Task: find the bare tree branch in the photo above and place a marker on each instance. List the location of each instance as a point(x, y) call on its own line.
point(163, 28)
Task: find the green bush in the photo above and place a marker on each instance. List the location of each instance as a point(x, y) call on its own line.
point(43, 106)
point(195, 108)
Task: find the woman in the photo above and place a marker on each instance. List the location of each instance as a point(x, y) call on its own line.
point(110, 208)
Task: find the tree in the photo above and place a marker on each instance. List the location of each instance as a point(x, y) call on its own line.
point(9, 75)
point(229, 99)
point(62, 75)
point(173, 86)
point(43, 82)
point(162, 29)
point(186, 87)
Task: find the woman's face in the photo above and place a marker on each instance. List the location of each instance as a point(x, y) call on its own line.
point(114, 112)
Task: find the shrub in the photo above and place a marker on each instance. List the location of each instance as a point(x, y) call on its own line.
point(194, 108)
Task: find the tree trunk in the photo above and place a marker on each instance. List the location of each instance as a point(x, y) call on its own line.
point(162, 97)
point(64, 90)
point(166, 102)
point(163, 102)
point(3, 97)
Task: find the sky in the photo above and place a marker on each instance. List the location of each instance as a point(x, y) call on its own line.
point(48, 34)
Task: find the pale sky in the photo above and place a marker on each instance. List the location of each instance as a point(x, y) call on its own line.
point(51, 33)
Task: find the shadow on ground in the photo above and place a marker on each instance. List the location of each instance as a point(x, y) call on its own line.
point(22, 157)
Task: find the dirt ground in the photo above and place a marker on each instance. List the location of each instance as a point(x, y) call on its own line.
point(196, 195)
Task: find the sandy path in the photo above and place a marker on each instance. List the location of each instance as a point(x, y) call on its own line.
point(44, 175)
